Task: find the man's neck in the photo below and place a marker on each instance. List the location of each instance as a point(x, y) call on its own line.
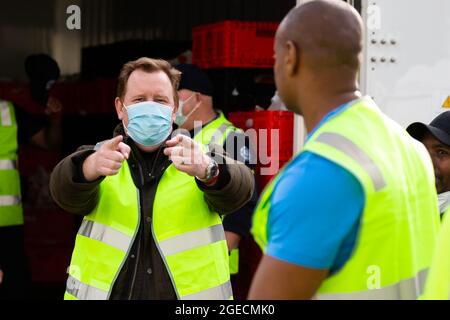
point(204, 118)
point(318, 107)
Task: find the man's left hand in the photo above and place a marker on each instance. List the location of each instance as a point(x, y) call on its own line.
point(187, 156)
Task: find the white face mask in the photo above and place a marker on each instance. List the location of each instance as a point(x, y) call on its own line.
point(180, 117)
point(149, 122)
point(443, 199)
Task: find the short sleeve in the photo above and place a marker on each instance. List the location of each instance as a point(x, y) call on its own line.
point(315, 212)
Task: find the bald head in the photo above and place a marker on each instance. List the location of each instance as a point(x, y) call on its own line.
point(327, 32)
point(318, 50)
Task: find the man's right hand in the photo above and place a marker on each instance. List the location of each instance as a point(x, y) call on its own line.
point(107, 160)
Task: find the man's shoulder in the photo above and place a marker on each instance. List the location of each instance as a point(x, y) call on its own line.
point(310, 173)
point(310, 163)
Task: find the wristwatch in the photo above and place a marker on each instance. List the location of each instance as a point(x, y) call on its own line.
point(212, 170)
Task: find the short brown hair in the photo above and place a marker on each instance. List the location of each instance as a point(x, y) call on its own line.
point(148, 65)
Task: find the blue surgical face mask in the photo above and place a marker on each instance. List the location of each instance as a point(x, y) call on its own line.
point(180, 117)
point(149, 122)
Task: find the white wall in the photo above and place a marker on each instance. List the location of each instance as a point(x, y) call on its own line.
point(416, 34)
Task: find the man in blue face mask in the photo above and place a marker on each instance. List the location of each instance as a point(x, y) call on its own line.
point(151, 202)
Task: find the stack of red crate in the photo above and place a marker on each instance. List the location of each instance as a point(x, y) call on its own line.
point(272, 138)
point(87, 97)
point(280, 151)
point(19, 93)
point(234, 44)
point(79, 97)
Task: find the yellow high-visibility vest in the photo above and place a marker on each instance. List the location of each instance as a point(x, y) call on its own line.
point(400, 220)
point(438, 281)
point(10, 197)
point(188, 234)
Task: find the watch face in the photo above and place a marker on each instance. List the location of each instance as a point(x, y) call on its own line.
point(214, 169)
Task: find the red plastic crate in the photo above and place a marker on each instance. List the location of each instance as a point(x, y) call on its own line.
point(234, 44)
point(19, 93)
point(281, 120)
point(87, 97)
point(81, 97)
point(268, 120)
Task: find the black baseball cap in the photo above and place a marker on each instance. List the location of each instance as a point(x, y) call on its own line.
point(195, 79)
point(439, 128)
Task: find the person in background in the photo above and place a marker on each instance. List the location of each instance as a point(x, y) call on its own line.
point(18, 127)
point(196, 113)
point(151, 202)
point(436, 138)
point(354, 215)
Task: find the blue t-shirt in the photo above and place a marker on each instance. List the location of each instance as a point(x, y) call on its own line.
point(315, 211)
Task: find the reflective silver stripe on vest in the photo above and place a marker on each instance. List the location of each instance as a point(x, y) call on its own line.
point(83, 291)
point(5, 114)
point(9, 201)
point(220, 132)
point(191, 240)
point(352, 150)
point(8, 165)
point(223, 127)
point(105, 234)
point(222, 292)
point(409, 289)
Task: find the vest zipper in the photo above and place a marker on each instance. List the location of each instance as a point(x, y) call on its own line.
point(155, 240)
point(136, 262)
point(164, 260)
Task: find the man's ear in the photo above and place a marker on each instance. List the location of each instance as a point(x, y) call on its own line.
point(292, 58)
point(175, 109)
point(119, 108)
point(197, 97)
